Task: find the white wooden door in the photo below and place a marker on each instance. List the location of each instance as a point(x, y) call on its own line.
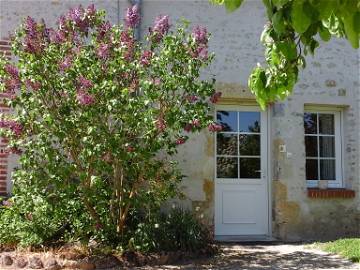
point(241, 185)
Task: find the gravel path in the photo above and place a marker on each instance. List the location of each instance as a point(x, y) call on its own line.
point(267, 257)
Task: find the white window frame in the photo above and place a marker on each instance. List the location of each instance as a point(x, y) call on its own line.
point(337, 112)
point(263, 141)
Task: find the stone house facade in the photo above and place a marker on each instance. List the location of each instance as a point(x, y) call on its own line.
point(290, 172)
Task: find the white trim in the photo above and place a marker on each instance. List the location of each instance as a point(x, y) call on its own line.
point(264, 156)
point(338, 135)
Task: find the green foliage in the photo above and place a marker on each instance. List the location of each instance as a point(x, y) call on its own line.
point(347, 247)
point(292, 32)
point(177, 230)
point(97, 117)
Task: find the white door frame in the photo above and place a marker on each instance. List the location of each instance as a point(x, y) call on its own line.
point(267, 163)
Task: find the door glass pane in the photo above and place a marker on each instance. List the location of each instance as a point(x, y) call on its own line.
point(249, 122)
point(312, 169)
point(311, 146)
point(227, 167)
point(327, 146)
point(310, 123)
point(226, 144)
point(249, 145)
point(249, 167)
point(327, 169)
point(326, 124)
point(228, 120)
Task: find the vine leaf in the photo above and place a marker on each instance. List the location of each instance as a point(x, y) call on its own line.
point(300, 20)
point(232, 5)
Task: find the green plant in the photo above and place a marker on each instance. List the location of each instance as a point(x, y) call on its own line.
point(292, 32)
point(347, 247)
point(177, 230)
point(97, 116)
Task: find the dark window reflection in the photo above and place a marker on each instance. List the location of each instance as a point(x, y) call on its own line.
point(249, 121)
point(228, 120)
point(311, 146)
point(327, 169)
point(226, 144)
point(312, 169)
point(249, 145)
point(326, 124)
point(327, 146)
point(310, 123)
point(249, 167)
point(227, 167)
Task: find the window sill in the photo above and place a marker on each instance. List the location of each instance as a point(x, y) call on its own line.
point(316, 193)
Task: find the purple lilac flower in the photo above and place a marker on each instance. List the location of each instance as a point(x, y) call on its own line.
point(188, 127)
point(156, 81)
point(200, 35)
point(30, 27)
point(33, 85)
point(103, 30)
point(84, 83)
point(32, 44)
point(145, 58)
point(7, 203)
point(103, 51)
point(66, 63)
point(202, 53)
point(213, 127)
point(84, 98)
point(57, 36)
point(132, 17)
point(91, 11)
point(180, 140)
point(215, 97)
point(195, 122)
point(12, 71)
point(11, 85)
point(192, 98)
point(15, 150)
point(161, 27)
point(14, 126)
point(62, 22)
point(160, 124)
point(76, 14)
point(125, 37)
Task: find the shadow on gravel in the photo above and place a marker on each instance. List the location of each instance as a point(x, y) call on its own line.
point(253, 258)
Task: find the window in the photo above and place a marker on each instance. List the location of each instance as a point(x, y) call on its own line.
point(238, 145)
point(323, 148)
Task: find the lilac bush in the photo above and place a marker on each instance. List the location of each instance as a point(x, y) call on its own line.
point(98, 115)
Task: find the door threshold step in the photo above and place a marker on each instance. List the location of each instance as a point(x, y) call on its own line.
point(244, 238)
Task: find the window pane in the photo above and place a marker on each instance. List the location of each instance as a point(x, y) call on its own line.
point(312, 169)
point(310, 123)
point(249, 167)
point(227, 167)
point(327, 169)
point(327, 146)
point(311, 146)
point(228, 120)
point(249, 121)
point(326, 124)
point(249, 145)
point(226, 144)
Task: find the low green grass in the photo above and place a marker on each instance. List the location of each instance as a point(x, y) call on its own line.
point(348, 248)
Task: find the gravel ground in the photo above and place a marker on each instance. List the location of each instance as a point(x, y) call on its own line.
point(265, 256)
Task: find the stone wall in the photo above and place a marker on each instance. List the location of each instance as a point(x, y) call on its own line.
point(331, 78)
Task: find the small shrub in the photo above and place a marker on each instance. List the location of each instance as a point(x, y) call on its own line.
point(177, 230)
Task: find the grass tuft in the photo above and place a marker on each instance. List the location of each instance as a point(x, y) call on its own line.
point(348, 248)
